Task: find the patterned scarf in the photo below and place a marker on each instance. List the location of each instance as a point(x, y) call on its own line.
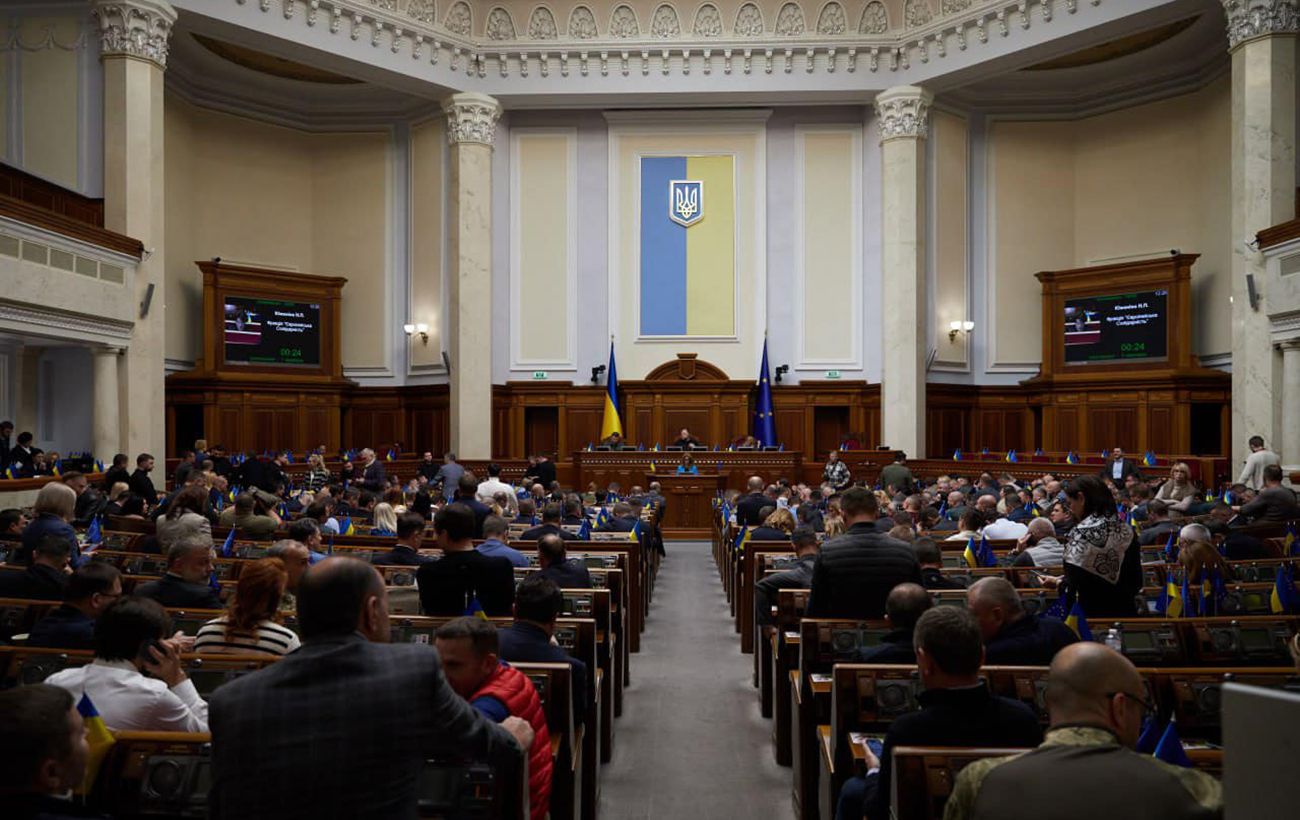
point(1098, 544)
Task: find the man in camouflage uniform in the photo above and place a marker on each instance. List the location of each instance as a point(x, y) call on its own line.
point(1086, 767)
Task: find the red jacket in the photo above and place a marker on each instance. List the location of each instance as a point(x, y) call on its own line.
point(515, 690)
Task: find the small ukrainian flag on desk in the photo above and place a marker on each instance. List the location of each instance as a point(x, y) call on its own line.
point(98, 738)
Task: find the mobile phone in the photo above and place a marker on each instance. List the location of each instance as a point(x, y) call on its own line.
point(144, 656)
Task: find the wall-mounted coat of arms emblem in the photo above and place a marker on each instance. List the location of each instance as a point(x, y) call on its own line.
point(686, 201)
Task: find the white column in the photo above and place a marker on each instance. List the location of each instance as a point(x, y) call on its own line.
point(106, 431)
point(1289, 448)
point(26, 403)
point(1261, 39)
point(471, 129)
point(133, 46)
point(902, 114)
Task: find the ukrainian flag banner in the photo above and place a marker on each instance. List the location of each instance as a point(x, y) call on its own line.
point(688, 246)
point(609, 422)
point(1078, 621)
point(98, 738)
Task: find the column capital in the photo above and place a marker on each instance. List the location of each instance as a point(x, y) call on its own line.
point(903, 112)
point(134, 28)
point(471, 118)
point(1251, 19)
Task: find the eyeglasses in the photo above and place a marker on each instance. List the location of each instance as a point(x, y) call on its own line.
point(1148, 708)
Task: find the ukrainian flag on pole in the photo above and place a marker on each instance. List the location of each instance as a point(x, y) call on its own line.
point(610, 423)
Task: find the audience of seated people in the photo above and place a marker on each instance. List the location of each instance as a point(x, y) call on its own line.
point(250, 622)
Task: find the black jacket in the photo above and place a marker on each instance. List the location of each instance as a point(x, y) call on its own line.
point(36, 583)
point(767, 534)
point(544, 473)
point(449, 584)
point(142, 485)
point(895, 647)
point(748, 508)
point(175, 592)
point(481, 512)
point(547, 529)
point(524, 642)
point(571, 574)
point(933, 578)
point(64, 628)
point(89, 504)
point(115, 475)
point(1127, 469)
point(1030, 641)
point(43, 807)
point(855, 572)
point(954, 717)
point(797, 577)
point(622, 524)
point(373, 478)
point(400, 556)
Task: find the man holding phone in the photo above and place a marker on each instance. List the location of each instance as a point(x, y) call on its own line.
point(136, 681)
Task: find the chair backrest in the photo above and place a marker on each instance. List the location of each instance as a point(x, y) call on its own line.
point(555, 690)
point(155, 774)
point(824, 642)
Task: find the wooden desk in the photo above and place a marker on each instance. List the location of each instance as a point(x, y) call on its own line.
point(629, 467)
point(688, 509)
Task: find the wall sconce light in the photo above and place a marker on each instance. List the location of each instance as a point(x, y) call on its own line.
point(959, 326)
point(421, 329)
point(595, 373)
point(781, 371)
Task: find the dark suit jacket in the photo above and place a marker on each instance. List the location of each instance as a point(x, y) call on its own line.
point(545, 472)
point(64, 628)
point(115, 475)
point(748, 507)
point(299, 740)
point(1030, 641)
point(44, 807)
point(449, 584)
point(797, 577)
point(572, 574)
point(618, 525)
point(1129, 468)
point(173, 591)
point(142, 485)
point(534, 533)
point(1272, 504)
point(37, 583)
point(855, 572)
point(1157, 533)
point(42, 525)
point(932, 578)
point(896, 647)
point(524, 642)
point(767, 534)
point(953, 717)
point(373, 478)
point(481, 512)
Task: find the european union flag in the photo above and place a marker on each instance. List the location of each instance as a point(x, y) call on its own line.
point(986, 556)
point(1170, 748)
point(1149, 736)
point(1171, 547)
point(229, 543)
point(94, 534)
point(584, 531)
point(1077, 621)
point(764, 423)
point(1012, 457)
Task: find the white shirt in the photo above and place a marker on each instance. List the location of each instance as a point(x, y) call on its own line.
point(489, 488)
point(1252, 474)
point(129, 701)
point(1005, 528)
point(1117, 469)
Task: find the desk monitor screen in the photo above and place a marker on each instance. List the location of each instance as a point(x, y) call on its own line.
point(267, 332)
point(1117, 327)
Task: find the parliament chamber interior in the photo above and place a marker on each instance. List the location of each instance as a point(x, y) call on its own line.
point(639, 409)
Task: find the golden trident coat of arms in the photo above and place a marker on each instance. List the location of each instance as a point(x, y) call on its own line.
point(686, 201)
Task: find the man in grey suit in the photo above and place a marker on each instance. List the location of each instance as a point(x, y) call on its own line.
point(449, 476)
point(343, 726)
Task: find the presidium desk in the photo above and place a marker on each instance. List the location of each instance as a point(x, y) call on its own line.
point(689, 497)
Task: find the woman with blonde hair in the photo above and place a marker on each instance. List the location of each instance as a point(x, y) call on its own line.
point(318, 475)
point(385, 520)
point(776, 527)
point(251, 622)
point(54, 507)
point(1178, 490)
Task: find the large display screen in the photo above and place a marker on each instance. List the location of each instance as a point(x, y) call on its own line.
point(1116, 327)
point(267, 332)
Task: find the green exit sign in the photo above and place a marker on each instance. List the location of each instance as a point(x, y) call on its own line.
point(540, 375)
point(832, 374)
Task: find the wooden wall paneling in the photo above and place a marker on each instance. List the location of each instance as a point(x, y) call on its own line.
point(1161, 426)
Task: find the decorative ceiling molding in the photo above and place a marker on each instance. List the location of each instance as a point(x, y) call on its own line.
point(813, 35)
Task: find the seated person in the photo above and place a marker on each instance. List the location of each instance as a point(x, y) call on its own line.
point(1274, 502)
point(12, 523)
point(251, 620)
point(685, 440)
point(406, 552)
point(798, 576)
point(185, 516)
point(957, 709)
point(550, 525)
point(1157, 528)
point(296, 558)
point(1038, 547)
point(307, 531)
point(527, 512)
point(969, 525)
point(452, 584)
point(54, 507)
point(930, 557)
point(538, 602)
point(614, 441)
point(1013, 636)
point(471, 662)
point(383, 520)
point(567, 573)
point(1097, 702)
point(687, 467)
point(494, 542)
point(903, 608)
point(46, 578)
point(187, 582)
point(43, 753)
point(624, 519)
point(90, 590)
point(777, 526)
point(1004, 528)
point(1200, 559)
point(1062, 518)
point(251, 517)
point(573, 516)
point(131, 639)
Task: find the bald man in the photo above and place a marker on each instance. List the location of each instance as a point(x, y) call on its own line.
point(1013, 636)
point(904, 606)
point(1086, 767)
point(749, 507)
point(1039, 547)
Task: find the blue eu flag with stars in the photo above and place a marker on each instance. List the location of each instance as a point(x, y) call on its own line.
point(764, 424)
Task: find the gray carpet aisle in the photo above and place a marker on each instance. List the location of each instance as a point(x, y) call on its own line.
point(691, 742)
